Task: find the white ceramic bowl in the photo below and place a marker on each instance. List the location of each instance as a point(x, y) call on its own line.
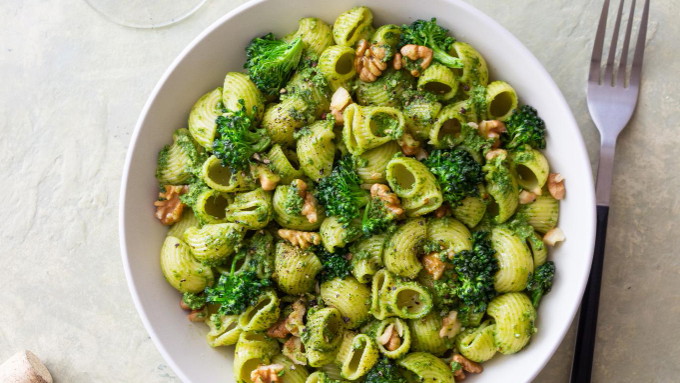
point(219, 49)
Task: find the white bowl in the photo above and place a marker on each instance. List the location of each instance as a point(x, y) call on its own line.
point(220, 48)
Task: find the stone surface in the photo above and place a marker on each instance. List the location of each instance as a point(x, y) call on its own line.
point(74, 84)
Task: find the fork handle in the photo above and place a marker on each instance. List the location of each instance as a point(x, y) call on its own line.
point(582, 367)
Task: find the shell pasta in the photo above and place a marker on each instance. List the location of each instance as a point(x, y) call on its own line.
point(362, 203)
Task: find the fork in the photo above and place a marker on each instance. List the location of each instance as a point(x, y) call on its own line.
point(612, 96)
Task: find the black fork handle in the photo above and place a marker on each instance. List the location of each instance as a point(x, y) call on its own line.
point(582, 367)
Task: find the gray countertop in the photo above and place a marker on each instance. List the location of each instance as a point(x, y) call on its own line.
point(73, 85)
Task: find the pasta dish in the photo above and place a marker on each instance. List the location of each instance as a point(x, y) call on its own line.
point(360, 204)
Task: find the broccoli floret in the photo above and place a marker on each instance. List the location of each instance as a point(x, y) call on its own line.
point(236, 139)
point(524, 126)
point(444, 291)
point(541, 282)
point(457, 173)
point(384, 371)
point(236, 291)
point(194, 301)
point(270, 62)
point(377, 218)
point(476, 269)
point(340, 193)
point(431, 35)
point(334, 265)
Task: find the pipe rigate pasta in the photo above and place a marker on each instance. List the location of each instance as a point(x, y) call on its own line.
point(202, 125)
point(543, 213)
point(224, 330)
point(514, 260)
point(349, 296)
point(177, 161)
point(238, 87)
point(425, 367)
point(357, 355)
point(181, 269)
point(478, 344)
point(353, 25)
point(295, 269)
point(514, 316)
point(315, 34)
point(316, 149)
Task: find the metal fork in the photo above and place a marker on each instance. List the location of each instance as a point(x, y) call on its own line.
point(612, 96)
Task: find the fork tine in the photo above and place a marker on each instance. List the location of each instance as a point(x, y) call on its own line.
point(636, 71)
point(596, 58)
point(621, 73)
point(609, 69)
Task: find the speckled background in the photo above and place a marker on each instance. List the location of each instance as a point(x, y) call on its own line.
point(73, 85)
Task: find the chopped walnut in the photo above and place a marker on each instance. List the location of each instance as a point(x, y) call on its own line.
point(409, 145)
point(169, 208)
point(295, 320)
point(197, 315)
point(526, 197)
point(391, 338)
point(340, 100)
point(433, 265)
point(422, 154)
point(553, 236)
point(368, 61)
point(459, 375)
point(450, 325)
point(183, 305)
point(556, 185)
point(491, 154)
point(294, 350)
point(492, 129)
point(414, 52)
point(386, 195)
point(442, 211)
point(278, 330)
point(468, 365)
point(301, 239)
point(266, 374)
point(268, 179)
point(309, 207)
point(396, 62)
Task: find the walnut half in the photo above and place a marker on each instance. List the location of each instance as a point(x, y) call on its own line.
point(386, 195)
point(340, 100)
point(391, 337)
point(433, 265)
point(301, 239)
point(556, 185)
point(266, 374)
point(169, 208)
point(450, 325)
point(368, 61)
point(417, 52)
point(309, 207)
point(492, 129)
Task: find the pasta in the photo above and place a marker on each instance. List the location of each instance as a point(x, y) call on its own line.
point(394, 226)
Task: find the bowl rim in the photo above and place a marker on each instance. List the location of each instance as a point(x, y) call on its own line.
point(589, 215)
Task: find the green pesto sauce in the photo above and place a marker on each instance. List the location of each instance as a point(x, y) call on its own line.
point(498, 175)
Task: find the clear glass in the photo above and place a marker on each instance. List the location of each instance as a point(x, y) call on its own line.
point(146, 13)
